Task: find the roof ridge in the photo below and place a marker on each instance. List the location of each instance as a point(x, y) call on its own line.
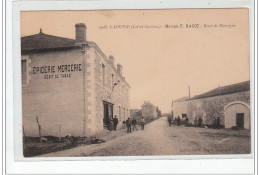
point(207, 94)
point(47, 35)
point(233, 84)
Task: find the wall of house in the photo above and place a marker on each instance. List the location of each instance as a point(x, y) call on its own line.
point(231, 112)
point(70, 99)
point(55, 95)
point(179, 108)
point(149, 111)
point(119, 96)
point(208, 108)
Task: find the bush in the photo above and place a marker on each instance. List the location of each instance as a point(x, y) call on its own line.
point(234, 128)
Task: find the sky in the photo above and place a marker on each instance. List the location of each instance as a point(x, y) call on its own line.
point(160, 63)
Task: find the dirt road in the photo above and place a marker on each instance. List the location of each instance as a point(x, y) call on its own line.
point(160, 139)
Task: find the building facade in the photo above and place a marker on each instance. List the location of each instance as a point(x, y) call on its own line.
point(230, 103)
point(149, 110)
point(70, 85)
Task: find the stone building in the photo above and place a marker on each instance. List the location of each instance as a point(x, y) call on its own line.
point(149, 110)
point(230, 103)
point(70, 85)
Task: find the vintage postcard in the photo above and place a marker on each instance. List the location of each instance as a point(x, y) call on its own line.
point(162, 82)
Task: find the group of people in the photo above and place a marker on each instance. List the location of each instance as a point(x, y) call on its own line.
point(216, 122)
point(131, 124)
point(197, 122)
point(178, 120)
point(113, 122)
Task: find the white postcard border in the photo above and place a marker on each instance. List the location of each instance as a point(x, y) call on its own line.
point(13, 117)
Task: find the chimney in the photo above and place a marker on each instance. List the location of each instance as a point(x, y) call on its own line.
point(119, 69)
point(111, 59)
point(80, 33)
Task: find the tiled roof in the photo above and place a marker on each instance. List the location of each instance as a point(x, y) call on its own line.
point(230, 89)
point(43, 41)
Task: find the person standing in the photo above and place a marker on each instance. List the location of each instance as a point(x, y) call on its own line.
point(195, 122)
point(200, 122)
point(218, 122)
point(128, 124)
point(115, 122)
point(214, 122)
point(134, 122)
point(187, 121)
point(169, 120)
point(142, 123)
point(179, 121)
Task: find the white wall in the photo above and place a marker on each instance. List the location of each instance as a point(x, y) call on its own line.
point(232, 110)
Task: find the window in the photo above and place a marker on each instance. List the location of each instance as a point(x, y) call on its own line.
point(184, 115)
point(25, 62)
point(103, 74)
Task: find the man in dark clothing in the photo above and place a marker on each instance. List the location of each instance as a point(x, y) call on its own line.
point(134, 122)
point(179, 121)
point(200, 122)
point(129, 124)
point(115, 121)
point(169, 120)
point(187, 121)
point(214, 122)
point(142, 122)
point(218, 122)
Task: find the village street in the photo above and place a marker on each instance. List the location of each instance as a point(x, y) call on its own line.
point(160, 139)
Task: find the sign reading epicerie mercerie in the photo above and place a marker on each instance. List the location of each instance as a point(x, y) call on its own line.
point(60, 71)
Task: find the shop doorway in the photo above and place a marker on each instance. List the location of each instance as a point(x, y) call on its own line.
point(108, 114)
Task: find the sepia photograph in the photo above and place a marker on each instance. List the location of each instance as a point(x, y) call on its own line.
point(161, 82)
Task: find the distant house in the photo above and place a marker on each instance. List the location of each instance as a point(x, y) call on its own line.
point(230, 103)
point(149, 110)
point(135, 112)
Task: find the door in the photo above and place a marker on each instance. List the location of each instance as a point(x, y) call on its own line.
point(108, 113)
point(240, 120)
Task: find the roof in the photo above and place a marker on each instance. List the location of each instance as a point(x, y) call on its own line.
point(41, 41)
point(230, 89)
